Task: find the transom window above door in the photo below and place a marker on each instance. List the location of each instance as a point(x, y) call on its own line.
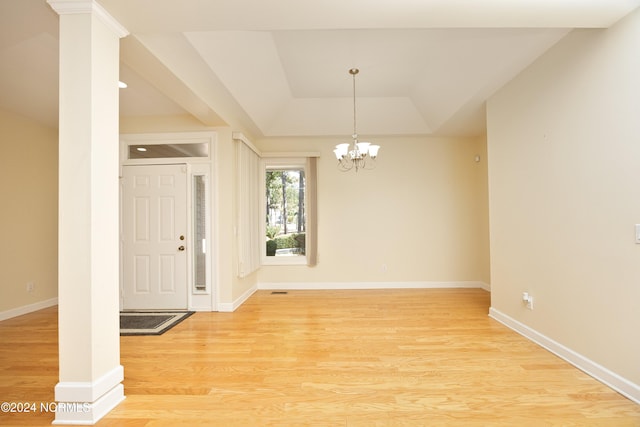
point(164, 151)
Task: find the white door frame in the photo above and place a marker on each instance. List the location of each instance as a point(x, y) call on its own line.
point(198, 300)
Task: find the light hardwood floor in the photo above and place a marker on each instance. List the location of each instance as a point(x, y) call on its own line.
point(327, 358)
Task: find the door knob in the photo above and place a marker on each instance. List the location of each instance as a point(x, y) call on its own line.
point(181, 248)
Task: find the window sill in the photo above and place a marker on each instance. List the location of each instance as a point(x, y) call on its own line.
point(284, 260)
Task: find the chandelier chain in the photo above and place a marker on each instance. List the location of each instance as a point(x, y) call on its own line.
point(353, 72)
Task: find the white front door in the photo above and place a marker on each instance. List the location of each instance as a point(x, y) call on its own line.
point(154, 223)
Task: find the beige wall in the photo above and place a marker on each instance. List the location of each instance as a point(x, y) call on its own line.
point(29, 213)
point(564, 150)
point(420, 216)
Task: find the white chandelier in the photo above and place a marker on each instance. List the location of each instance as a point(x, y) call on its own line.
point(355, 155)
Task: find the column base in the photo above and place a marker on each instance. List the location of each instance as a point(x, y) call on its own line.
point(86, 403)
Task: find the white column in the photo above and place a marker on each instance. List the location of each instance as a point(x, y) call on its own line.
point(89, 343)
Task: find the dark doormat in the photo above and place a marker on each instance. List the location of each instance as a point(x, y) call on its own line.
point(150, 322)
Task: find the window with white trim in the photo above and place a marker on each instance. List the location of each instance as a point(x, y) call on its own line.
point(289, 185)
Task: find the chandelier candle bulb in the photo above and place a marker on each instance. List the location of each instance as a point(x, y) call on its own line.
point(341, 150)
point(363, 147)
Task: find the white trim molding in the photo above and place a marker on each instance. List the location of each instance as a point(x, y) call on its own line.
point(288, 154)
point(239, 136)
point(86, 403)
point(233, 306)
point(74, 7)
point(88, 392)
point(591, 368)
point(371, 285)
point(26, 309)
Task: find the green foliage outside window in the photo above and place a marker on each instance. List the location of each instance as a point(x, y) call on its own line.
point(285, 215)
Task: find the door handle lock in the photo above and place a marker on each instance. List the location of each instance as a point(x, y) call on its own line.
point(181, 248)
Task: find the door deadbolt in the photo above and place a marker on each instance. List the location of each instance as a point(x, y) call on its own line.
point(181, 248)
point(181, 237)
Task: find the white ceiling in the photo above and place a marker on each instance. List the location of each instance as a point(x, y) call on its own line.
point(280, 67)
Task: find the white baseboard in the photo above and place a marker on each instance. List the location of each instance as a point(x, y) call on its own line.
point(370, 285)
point(85, 403)
point(231, 307)
point(89, 391)
point(83, 413)
point(591, 368)
point(26, 309)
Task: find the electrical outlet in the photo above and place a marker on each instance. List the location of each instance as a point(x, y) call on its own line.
point(31, 287)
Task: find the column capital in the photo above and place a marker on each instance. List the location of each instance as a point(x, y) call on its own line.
point(74, 7)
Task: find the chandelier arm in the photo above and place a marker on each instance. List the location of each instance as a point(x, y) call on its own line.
point(344, 165)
